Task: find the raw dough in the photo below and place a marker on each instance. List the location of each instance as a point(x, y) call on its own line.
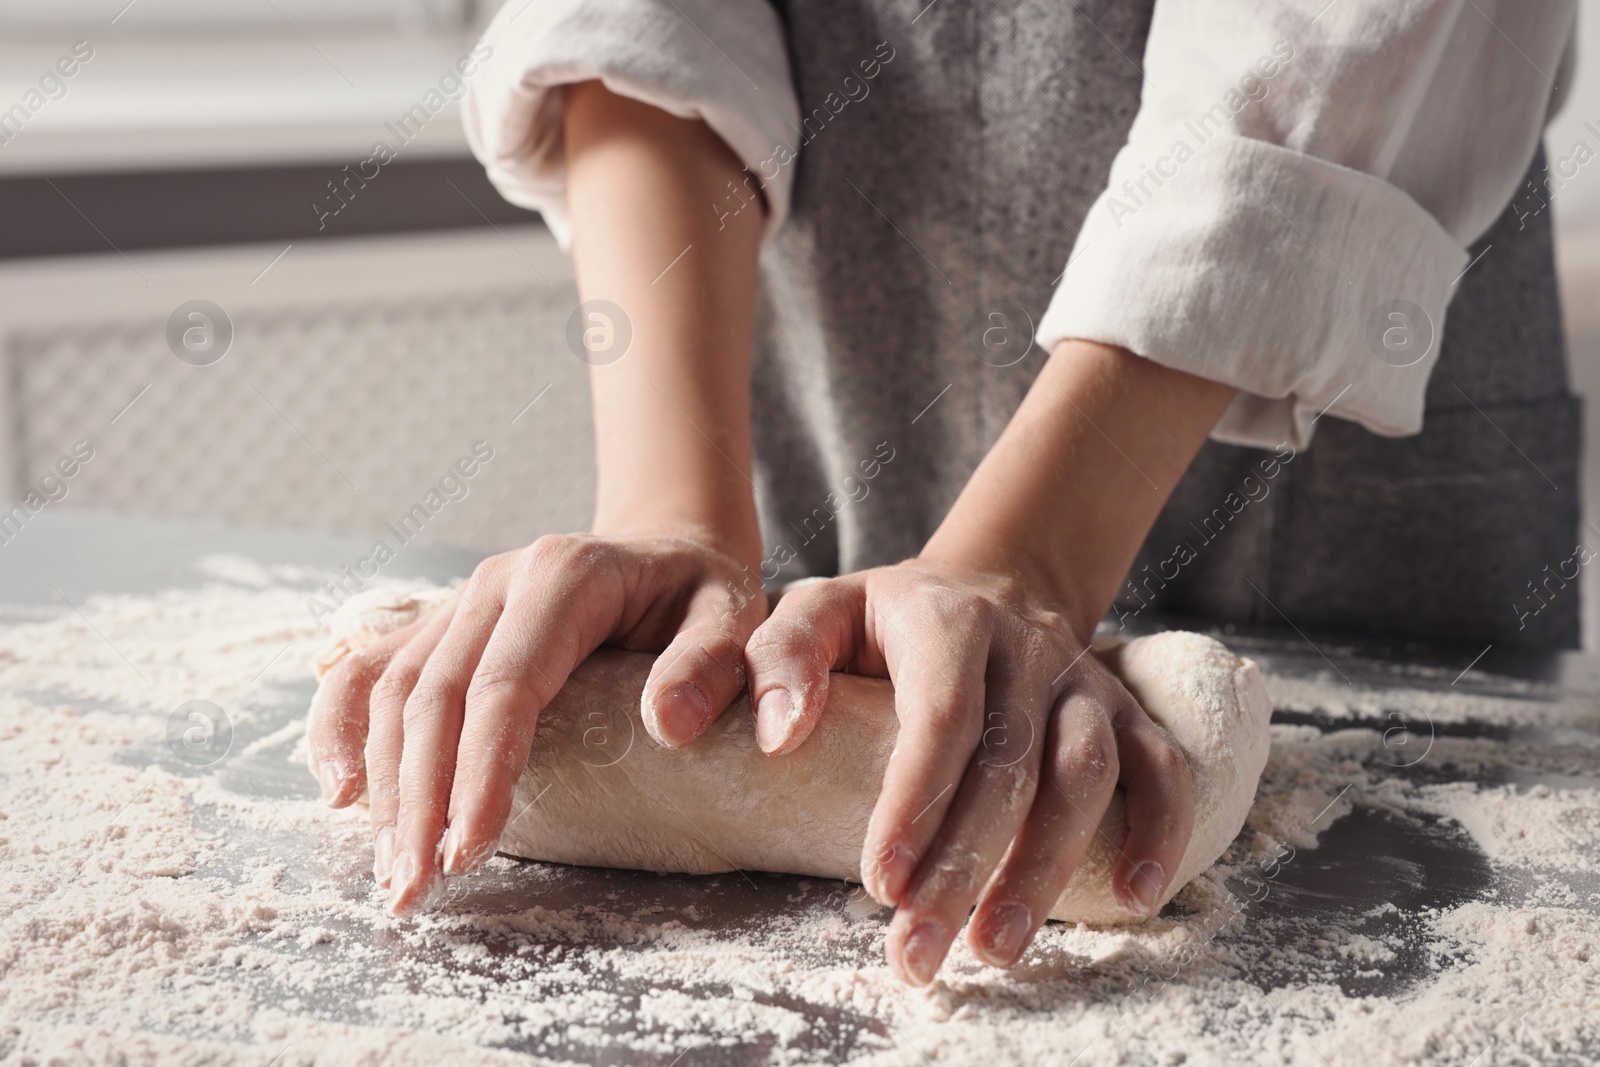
point(599, 792)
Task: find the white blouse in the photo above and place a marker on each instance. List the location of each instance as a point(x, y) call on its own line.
point(1290, 214)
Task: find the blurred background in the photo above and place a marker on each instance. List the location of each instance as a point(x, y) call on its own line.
point(372, 315)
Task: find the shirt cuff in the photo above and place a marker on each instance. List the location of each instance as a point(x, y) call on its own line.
point(1310, 287)
point(722, 61)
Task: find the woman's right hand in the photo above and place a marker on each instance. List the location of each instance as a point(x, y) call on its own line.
point(435, 721)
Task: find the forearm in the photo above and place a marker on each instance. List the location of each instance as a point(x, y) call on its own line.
point(1065, 497)
point(672, 417)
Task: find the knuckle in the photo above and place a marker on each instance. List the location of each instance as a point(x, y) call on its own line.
point(1168, 760)
point(964, 613)
point(718, 674)
point(390, 691)
point(776, 641)
point(554, 552)
point(549, 552)
point(954, 873)
point(491, 571)
point(719, 645)
point(426, 701)
point(588, 551)
point(717, 654)
point(1089, 761)
point(1033, 652)
point(495, 685)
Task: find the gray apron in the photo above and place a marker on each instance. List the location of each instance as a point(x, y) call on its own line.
point(952, 192)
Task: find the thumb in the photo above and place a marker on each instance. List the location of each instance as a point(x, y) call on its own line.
point(701, 671)
point(814, 629)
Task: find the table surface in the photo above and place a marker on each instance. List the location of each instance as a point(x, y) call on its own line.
point(1364, 860)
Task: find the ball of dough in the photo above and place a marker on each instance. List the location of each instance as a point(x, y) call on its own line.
point(1215, 706)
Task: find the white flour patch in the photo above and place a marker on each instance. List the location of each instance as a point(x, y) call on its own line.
point(161, 911)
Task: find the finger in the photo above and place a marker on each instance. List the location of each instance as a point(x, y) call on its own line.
point(813, 630)
point(432, 734)
point(996, 792)
point(386, 734)
point(1160, 791)
point(561, 606)
point(337, 732)
point(702, 670)
point(937, 657)
point(1077, 782)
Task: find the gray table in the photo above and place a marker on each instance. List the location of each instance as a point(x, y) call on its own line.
point(1365, 859)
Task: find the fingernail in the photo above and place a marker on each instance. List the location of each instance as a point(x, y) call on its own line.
point(886, 872)
point(773, 715)
point(405, 872)
point(680, 712)
point(458, 858)
point(923, 948)
point(383, 855)
point(330, 778)
point(1145, 885)
point(1003, 934)
point(450, 850)
point(432, 898)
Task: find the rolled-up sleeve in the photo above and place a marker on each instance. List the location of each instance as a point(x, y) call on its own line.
point(1291, 211)
point(724, 62)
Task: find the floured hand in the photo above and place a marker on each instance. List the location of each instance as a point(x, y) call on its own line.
point(435, 720)
point(1012, 741)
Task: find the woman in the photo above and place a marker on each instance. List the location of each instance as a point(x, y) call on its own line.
point(1235, 221)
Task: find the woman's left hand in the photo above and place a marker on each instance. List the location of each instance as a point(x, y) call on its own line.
point(1012, 742)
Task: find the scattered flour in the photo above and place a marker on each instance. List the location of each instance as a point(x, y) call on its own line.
point(165, 908)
